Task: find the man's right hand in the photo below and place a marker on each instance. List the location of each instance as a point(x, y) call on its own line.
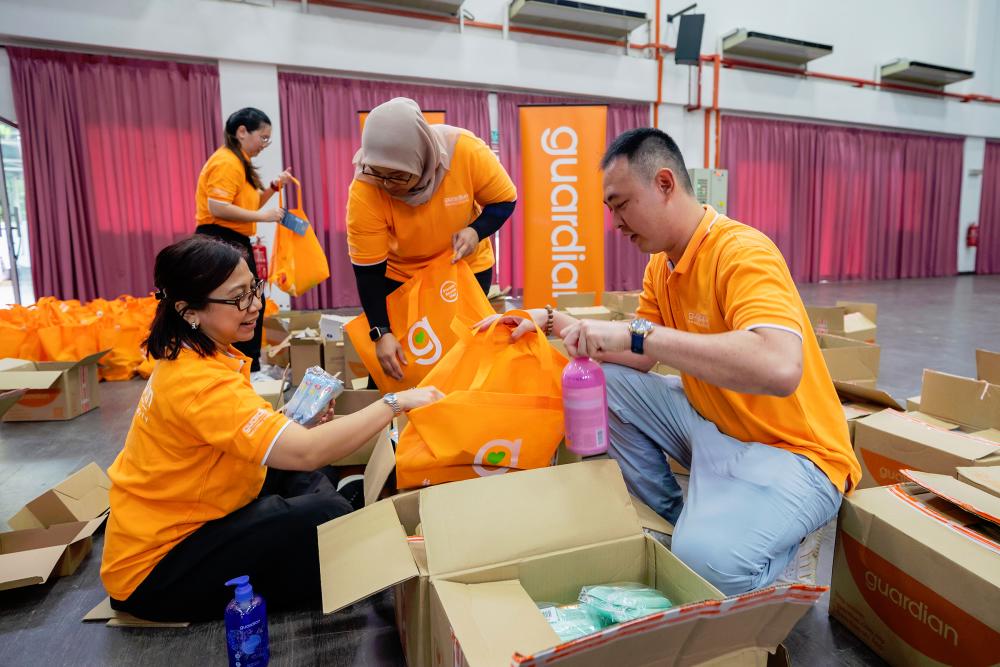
point(411, 399)
point(391, 356)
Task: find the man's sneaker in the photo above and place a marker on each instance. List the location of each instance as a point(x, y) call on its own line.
point(805, 565)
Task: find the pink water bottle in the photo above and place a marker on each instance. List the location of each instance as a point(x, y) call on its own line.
point(585, 403)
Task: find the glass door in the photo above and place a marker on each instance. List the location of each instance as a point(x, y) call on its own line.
point(15, 259)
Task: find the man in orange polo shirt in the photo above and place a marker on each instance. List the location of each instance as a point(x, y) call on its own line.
point(753, 415)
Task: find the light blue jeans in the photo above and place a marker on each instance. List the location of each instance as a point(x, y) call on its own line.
point(748, 505)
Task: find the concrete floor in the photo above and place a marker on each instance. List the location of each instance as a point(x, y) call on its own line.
point(922, 323)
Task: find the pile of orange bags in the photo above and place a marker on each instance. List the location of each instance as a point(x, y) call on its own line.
point(54, 330)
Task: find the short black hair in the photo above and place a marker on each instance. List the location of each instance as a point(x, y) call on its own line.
point(188, 270)
point(648, 150)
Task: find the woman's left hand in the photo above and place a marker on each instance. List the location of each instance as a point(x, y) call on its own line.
point(464, 243)
point(283, 178)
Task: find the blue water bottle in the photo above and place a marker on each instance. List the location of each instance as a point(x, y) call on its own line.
point(246, 627)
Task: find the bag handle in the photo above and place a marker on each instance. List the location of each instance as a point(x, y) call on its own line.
point(541, 347)
point(298, 190)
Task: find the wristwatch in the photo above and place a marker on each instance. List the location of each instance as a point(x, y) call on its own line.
point(639, 328)
point(391, 400)
point(376, 333)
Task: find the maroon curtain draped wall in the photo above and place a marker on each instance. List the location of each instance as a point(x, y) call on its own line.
point(988, 250)
point(847, 203)
point(623, 262)
point(112, 150)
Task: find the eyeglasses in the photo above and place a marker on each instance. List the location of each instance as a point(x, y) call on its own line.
point(243, 300)
point(367, 171)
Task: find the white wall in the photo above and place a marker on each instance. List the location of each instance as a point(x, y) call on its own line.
point(972, 189)
point(6, 89)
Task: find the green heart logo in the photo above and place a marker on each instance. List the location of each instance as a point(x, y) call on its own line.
point(420, 337)
point(494, 458)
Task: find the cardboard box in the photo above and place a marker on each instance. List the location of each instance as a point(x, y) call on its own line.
point(850, 360)
point(331, 327)
point(623, 305)
point(465, 590)
point(56, 390)
point(913, 404)
point(354, 368)
point(578, 300)
point(273, 391)
point(306, 351)
point(498, 298)
point(850, 319)
point(32, 556)
point(971, 405)
point(859, 401)
point(988, 366)
point(8, 399)
point(333, 358)
point(119, 619)
point(80, 497)
point(277, 327)
point(348, 403)
point(917, 578)
point(889, 441)
point(590, 313)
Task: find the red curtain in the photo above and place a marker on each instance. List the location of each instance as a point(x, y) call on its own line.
point(847, 203)
point(321, 132)
point(112, 151)
point(988, 250)
point(623, 262)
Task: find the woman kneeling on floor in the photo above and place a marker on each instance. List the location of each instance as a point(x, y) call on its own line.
point(212, 482)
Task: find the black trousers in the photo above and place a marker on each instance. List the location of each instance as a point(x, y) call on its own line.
point(484, 278)
point(251, 348)
point(272, 539)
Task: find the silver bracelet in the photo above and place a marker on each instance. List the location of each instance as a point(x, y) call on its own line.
point(391, 400)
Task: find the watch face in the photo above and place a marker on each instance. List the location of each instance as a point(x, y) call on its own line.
point(375, 334)
point(641, 326)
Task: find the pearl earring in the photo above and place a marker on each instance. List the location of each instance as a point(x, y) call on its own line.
point(194, 325)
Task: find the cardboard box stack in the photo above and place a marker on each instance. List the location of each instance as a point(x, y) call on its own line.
point(492, 547)
point(916, 572)
point(52, 534)
point(958, 425)
point(850, 319)
point(301, 339)
point(55, 390)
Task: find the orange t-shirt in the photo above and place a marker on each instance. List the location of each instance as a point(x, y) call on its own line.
point(381, 228)
point(195, 452)
point(223, 179)
point(732, 277)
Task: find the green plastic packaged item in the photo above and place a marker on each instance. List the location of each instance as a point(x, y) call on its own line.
point(572, 621)
point(624, 601)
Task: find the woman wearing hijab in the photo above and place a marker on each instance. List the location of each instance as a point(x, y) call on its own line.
point(419, 191)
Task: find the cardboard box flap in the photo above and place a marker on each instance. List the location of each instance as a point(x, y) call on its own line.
point(694, 633)
point(120, 619)
point(971, 403)
point(90, 359)
point(8, 399)
point(986, 478)
point(31, 566)
point(362, 553)
point(493, 621)
point(498, 519)
point(852, 363)
point(933, 421)
point(921, 434)
point(651, 520)
point(379, 468)
point(351, 401)
point(988, 366)
point(970, 498)
point(83, 482)
point(850, 392)
point(991, 434)
point(29, 379)
point(8, 364)
point(868, 310)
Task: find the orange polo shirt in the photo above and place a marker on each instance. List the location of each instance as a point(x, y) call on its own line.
point(195, 452)
point(381, 228)
point(223, 179)
point(732, 277)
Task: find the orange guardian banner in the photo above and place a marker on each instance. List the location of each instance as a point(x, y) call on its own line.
point(561, 149)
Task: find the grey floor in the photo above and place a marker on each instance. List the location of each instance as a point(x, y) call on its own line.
point(922, 323)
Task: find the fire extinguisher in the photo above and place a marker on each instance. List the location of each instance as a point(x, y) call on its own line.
point(260, 258)
point(972, 235)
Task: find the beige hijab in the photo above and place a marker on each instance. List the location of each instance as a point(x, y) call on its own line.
point(396, 136)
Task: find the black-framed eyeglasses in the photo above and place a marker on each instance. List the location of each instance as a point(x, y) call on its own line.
point(243, 300)
point(367, 171)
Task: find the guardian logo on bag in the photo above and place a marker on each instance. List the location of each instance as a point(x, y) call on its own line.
point(424, 343)
point(501, 455)
point(449, 291)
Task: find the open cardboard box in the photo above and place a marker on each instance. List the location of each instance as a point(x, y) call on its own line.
point(56, 390)
point(32, 556)
point(622, 305)
point(9, 398)
point(578, 300)
point(850, 319)
point(465, 590)
point(272, 391)
point(859, 401)
point(916, 572)
point(988, 366)
point(956, 402)
point(80, 497)
point(850, 360)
